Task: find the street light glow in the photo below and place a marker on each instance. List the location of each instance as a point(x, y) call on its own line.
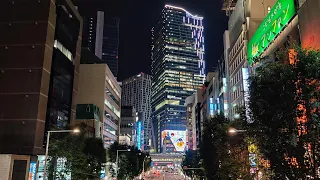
point(232, 130)
point(76, 131)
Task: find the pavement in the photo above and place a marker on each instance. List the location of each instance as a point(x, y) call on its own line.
point(165, 176)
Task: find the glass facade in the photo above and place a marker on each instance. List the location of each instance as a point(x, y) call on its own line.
point(101, 36)
point(177, 68)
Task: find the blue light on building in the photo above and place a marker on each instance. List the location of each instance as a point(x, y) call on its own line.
point(139, 130)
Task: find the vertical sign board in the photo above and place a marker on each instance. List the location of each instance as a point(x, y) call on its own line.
point(280, 15)
point(211, 107)
point(32, 171)
point(41, 159)
point(245, 77)
point(139, 135)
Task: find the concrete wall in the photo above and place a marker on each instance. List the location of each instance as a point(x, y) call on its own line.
point(5, 166)
point(309, 15)
point(9, 172)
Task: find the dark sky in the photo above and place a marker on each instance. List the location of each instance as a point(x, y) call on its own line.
point(137, 17)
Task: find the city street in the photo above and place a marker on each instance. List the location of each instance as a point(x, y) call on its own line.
point(166, 176)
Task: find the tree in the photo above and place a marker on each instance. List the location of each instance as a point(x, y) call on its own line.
point(192, 159)
point(221, 154)
point(284, 104)
point(130, 162)
point(81, 156)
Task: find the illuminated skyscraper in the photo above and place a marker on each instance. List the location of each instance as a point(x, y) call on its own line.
point(178, 70)
point(136, 92)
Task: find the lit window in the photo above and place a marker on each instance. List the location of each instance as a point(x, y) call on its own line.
point(62, 49)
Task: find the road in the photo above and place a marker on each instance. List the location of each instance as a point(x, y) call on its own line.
point(165, 176)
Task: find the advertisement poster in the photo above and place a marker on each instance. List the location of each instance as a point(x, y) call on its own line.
point(173, 140)
point(32, 171)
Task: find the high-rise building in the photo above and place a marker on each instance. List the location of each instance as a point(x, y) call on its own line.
point(101, 36)
point(178, 70)
point(136, 92)
point(98, 86)
point(40, 53)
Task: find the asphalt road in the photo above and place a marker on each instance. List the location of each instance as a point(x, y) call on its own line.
point(165, 176)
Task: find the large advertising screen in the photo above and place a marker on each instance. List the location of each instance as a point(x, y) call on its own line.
point(173, 141)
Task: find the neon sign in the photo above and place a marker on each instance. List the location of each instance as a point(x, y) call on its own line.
point(139, 135)
point(279, 16)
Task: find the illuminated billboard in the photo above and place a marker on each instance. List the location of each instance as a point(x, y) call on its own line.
point(277, 19)
point(32, 171)
point(173, 141)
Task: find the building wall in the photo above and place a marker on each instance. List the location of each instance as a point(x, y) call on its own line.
point(309, 15)
point(190, 122)
point(95, 79)
point(198, 118)
point(6, 166)
point(30, 31)
point(92, 89)
point(128, 121)
point(253, 13)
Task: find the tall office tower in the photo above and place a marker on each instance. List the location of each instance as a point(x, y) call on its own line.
point(244, 21)
point(136, 92)
point(178, 70)
point(101, 36)
point(40, 53)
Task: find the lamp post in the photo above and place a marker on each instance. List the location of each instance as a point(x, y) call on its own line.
point(117, 160)
point(233, 131)
point(143, 165)
point(47, 146)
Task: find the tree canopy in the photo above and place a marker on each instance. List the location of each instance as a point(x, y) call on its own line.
point(130, 162)
point(80, 156)
point(284, 105)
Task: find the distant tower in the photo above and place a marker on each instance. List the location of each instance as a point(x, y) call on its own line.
point(178, 69)
point(101, 36)
point(136, 92)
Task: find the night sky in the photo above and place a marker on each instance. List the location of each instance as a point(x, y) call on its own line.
point(137, 17)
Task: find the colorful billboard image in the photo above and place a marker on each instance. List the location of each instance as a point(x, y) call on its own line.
point(32, 171)
point(173, 141)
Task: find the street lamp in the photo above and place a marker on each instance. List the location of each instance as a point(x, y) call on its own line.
point(234, 131)
point(117, 159)
point(143, 165)
point(47, 147)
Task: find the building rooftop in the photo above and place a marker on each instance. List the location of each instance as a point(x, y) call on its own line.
point(228, 5)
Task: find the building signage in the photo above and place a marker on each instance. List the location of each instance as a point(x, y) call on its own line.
point(245, 77)
point(174, 141)
point(41, 159)
point(211, 107)
point(278, 17)
point(139, 135)
point(32, 171)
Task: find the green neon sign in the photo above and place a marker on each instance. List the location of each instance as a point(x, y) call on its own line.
point(278, 17)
